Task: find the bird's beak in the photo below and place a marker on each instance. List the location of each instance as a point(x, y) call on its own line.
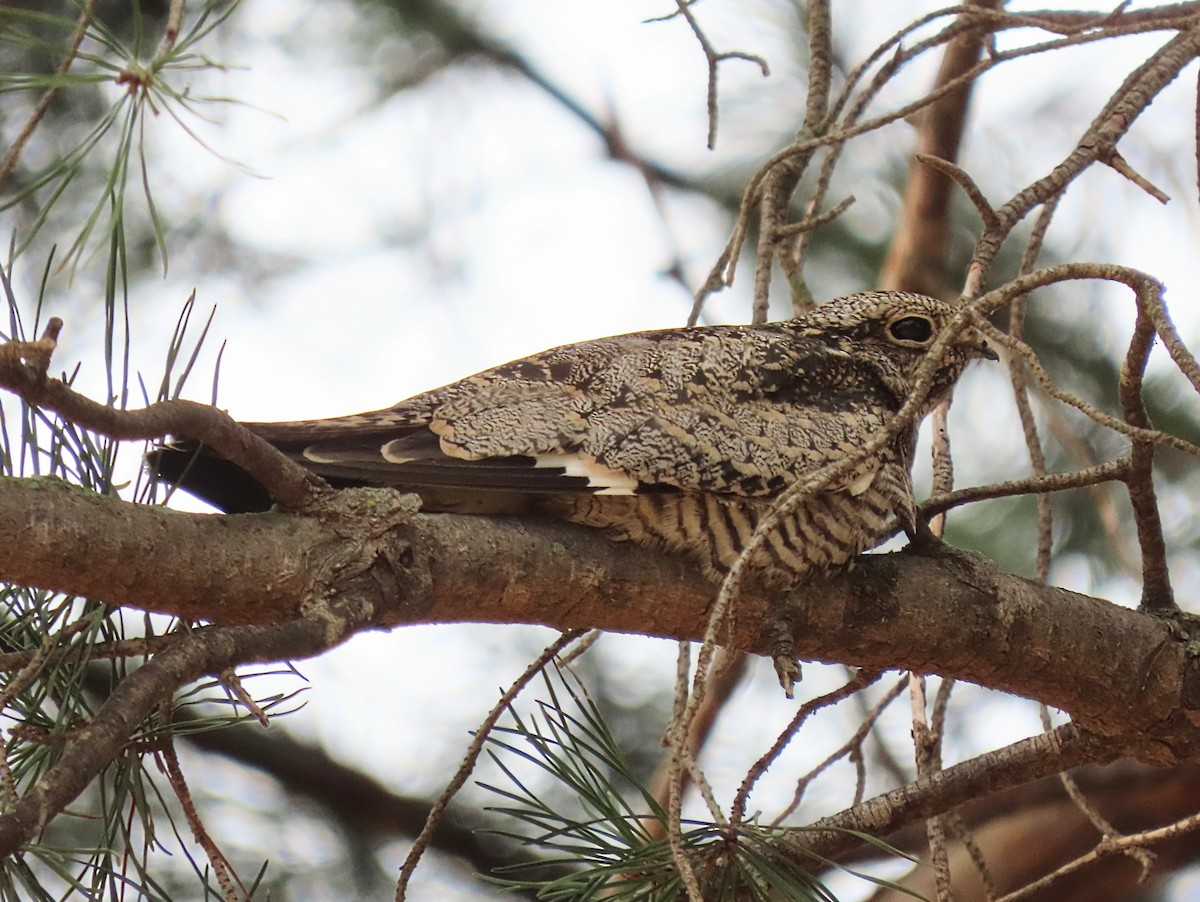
point(985, 351)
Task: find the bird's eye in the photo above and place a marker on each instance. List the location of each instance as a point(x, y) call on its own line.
point(915, 329)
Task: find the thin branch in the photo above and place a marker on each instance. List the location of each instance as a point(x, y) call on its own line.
point(1156, 308)
point(860, 681)
point(1013, 765)
point(964, 835)
point(226, 876)
point(1020, 388)
point(960, 177)
point(851, 748)
point(943, 462)
point(467, 765)
point(39, 111)
point(1119, 164)
point(1033, 485)
point(171, 31)
point(290, 484)
point(234, 686)
point(1138, 433)
point(1102, 824)
point(812, 221)
point(675, 739)
point(1156, 578)
point(731, 667)
point(37, 353)
point(927, 747)
point(1118, 845)
point(778, 193)
point(713, 58)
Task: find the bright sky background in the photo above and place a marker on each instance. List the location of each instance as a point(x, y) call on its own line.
point(447, 229)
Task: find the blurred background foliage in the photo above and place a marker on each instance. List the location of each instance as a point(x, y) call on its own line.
point(379, 197)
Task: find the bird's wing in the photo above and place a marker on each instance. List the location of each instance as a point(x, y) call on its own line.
point(756, 447)
point(522, 438)
point(726, 410)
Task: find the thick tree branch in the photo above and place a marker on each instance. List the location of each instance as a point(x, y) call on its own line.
point(1117, 671)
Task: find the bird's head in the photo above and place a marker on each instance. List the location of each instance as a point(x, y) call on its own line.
point(896, 332)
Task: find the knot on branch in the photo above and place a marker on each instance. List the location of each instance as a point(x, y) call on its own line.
point(376, 572)
point(35, 354)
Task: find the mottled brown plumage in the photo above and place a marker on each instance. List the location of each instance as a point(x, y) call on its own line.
point(679, 439)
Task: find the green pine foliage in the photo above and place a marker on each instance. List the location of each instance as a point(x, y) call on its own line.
point(609, 844)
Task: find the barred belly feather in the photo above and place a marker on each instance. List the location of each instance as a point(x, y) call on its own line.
point(821, 533)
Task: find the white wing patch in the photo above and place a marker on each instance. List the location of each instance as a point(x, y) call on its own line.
point(605, 480)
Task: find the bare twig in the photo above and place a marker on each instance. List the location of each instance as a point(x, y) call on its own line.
point(1113, 846)
point(861, 680)
point(713, 58)
point(233, 684)
point(777, 194)
point(943, 462)
point(1020, 387)
point(171, 31)
point(960, 177)
point(1156, 579)
point(287, 482)
point(472, 755)
point(964, 835)
point(1121, 165)
point(927, 747)
point(226, 876)
point(39, 111)
point(851, 748)
point(38, 352)
point(1155, 308)
point(1050, 482)
point(1102, 824)
point(586, 641)
point(730, 667)
point(1047, 384)
point(678, 728)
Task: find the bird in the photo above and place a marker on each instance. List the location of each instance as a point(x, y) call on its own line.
point(678, 439)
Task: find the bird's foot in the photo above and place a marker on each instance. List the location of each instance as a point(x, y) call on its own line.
point(783, 656)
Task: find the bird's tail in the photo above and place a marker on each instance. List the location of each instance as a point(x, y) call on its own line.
point(198, 471)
